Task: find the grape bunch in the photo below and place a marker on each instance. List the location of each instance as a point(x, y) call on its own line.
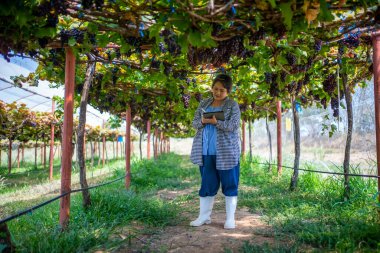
point(171, 41)
point(114, 71)
point(299, 86)
point(109, 55)
point(219, 55)
point(87, 4)
point(133, 41)
point(180, 74)
point(291, 87)
point(273, 90)
point(329, 84)
point(291, 58)
point(237, 46)
point(306, 80)
point(198, 96)
point(341, 49)
point(258, 35)
point(283, 76)
point(162, 48)
point(155, 64)
point(298, 68)
point(352, 41)
point(99, 4)
point(309, 62)
point(216, 29)
point(186, 100)
point(335, 106)
point(253, 105)
point(117, 53)
point(280, 30)
point(43, 42)
point(318, 45)
point(75, 33)
point(247, 53)
point(52, 20)
point(243, 107)
point(92, 38)
point(268, 77)
point(167, 68)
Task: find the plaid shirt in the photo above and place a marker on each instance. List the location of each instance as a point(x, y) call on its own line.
point(227, 136)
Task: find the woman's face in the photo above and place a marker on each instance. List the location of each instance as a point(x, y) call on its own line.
point(219, 92)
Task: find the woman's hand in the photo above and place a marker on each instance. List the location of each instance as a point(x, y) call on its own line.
point(209, 121)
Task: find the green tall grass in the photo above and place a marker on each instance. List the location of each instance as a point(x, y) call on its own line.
point(112, 206)
point(313, 216)
point(315, 213)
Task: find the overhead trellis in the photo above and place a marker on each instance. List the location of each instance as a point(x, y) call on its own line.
point(154, 58)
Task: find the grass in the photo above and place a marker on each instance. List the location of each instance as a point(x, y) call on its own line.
point(315, 213)
point(112, 206)
point(27, 175)
point(314, 216)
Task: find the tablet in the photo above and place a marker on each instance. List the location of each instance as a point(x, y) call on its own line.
point(219, 115)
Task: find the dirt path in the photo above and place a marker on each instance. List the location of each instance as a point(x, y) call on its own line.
point(211, 238)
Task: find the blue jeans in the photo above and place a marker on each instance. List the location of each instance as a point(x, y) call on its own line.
point(211, 178)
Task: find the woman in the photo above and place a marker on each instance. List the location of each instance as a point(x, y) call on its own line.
point(216, 149)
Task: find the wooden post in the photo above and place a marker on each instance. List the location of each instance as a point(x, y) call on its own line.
point(128, 121)
point(155, 143)
point(22, 153)
point(104, 144)
point(117, 147)
point(18, 156)
point(51, 155)
point(9, 156)
point(64, 213)
point(44, 145)
point(250, 138)
point(376, 82)
point(243, 138)
point(42, 154)
point(279, 139)
point(161, 140)
point(148, 139)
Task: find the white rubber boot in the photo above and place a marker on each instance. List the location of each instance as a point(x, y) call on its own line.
point(231, 203)
point(205, 209)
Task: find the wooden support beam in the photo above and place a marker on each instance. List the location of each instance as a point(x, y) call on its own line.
point(376, 82)
point(279, 139)
point(148, 126)
point(51, 155)
point(128, 121)
point(64, 213)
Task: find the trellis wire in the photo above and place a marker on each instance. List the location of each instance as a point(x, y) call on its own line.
point(29, 210)
point(323, 172)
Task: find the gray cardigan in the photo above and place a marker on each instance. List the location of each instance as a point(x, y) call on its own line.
point(227, 135)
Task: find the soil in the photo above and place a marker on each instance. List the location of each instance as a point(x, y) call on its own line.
point(210, 238)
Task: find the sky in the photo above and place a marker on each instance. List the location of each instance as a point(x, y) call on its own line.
point(24, 66)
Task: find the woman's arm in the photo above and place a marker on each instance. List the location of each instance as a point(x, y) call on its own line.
point(197, 121)
point(233, 123)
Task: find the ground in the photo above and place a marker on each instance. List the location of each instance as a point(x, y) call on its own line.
point(183, 238)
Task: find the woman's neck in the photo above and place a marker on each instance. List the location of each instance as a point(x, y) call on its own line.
point(217, 103)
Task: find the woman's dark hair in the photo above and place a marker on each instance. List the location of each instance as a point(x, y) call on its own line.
point(225, 80)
